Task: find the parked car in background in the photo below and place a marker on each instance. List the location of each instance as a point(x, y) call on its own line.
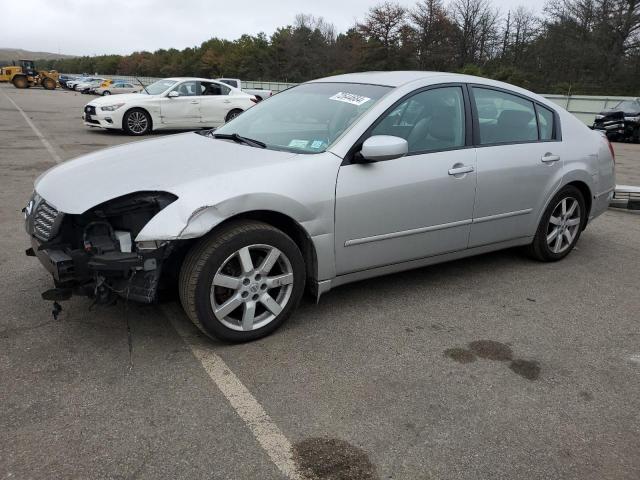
point(237, 83)
point(621, 122)
point(71, 84)
point(329, 182)
point(117, 87)
point(63, 79)
point(172, 103)
point(84, 84)
point(91, 87)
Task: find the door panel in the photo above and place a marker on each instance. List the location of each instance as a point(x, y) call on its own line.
point(182, 111)
point(403, 209)
point(514, 179)
point(513, 185)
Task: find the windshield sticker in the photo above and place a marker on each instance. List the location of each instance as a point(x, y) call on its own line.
point(317, 144)
point(351, 98)
point(299, 143)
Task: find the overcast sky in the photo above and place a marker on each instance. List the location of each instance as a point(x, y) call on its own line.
point(81, 27)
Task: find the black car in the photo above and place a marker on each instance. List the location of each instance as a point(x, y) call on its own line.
point(621, 122)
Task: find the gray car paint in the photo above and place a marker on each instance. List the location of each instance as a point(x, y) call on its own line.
point(388, 216)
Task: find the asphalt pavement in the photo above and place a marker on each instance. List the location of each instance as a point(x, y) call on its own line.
point(494, 367)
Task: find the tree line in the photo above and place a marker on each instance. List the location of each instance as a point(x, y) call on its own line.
point(572, 46)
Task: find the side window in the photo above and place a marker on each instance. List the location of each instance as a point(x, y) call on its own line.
point(430, 120)
point(504, 118)
point(186, 89)
point(210, 88)
point(546, 123)
point(126, 85)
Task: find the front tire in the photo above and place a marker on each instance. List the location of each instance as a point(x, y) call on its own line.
point(49, 84)
point(105, 93)
point(232, 114)
point(136, 122)
point(560, 226)
point(242, 282)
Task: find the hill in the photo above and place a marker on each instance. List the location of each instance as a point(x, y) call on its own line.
point(7, 55)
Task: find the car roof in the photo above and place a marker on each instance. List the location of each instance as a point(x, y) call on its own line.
point(400, 78)
point(180, 79)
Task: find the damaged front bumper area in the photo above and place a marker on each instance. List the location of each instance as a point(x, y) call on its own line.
point(94, 254)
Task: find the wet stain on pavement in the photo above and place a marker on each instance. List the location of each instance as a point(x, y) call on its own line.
point(586, 396)
point(496, 351)
point(529, 369)
point(460, 355)
point(332, 459)
point(491, 350)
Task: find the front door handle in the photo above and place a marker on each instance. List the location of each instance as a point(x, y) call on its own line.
point(459, 170)
point(194, 102)
point(550, 158)
point(227, 101)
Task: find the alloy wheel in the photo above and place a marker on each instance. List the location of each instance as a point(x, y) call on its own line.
point(564, 224)
point(137, 122)
point(251, 287)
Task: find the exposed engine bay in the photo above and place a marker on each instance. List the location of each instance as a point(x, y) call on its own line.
point(95, 253)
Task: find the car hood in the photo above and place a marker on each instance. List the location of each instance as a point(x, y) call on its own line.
point(170, 164)
point(123, 98)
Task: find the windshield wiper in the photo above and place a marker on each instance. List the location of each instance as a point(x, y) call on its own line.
point(238, 139)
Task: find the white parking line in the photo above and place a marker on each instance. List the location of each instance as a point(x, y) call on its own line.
point(42, 138)
point(265, 431)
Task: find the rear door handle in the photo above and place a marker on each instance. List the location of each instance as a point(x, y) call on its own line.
point(195, 101)
point(549, 158)
point(227, 101)
point(461, 170)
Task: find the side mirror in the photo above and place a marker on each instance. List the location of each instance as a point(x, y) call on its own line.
point(382, 147)
point(173, 94)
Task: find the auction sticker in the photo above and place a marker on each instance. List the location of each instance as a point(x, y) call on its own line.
point(298, 143)
point(351, 98)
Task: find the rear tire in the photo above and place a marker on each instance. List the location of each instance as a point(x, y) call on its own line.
point(232, 114)
point(560, 226)
point(242, 282)
point(136, 122)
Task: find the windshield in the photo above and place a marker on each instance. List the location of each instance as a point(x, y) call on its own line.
point(307, 118)
point(156, 88)
point(628, 106)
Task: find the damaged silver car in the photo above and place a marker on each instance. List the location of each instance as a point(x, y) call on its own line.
point(330, 182)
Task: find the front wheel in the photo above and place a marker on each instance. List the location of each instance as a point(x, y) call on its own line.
point(105, 93)
point(560, 226)
point(242, 282)
point(136, 122)
point(232, 114)
point(49, 84)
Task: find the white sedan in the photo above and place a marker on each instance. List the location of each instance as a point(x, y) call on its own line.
point(171, 103)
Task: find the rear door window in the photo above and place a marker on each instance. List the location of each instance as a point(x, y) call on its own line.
point(546, 123)
point(504, 118)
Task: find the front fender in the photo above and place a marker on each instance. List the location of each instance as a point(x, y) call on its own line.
point(179, 221)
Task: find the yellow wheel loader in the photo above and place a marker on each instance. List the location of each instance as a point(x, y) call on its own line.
point(25, 75)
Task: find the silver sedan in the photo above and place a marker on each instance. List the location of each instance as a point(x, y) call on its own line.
point(333, 181)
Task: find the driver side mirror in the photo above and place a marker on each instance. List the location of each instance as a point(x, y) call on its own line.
point(173, 94)
point(382, 147)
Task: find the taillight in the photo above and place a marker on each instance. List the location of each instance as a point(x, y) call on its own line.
point(613, 154)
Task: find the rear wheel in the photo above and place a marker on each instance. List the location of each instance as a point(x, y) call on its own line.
point(20, 81)
point(49, 83)
point(232, 114)
point(242, 282)
point(136, 122)
point(560, 226)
